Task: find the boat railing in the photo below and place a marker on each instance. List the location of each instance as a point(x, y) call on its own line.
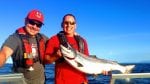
point(16, 78)
point(127, 77)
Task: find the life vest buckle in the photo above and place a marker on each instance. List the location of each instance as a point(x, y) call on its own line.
point(29, 61)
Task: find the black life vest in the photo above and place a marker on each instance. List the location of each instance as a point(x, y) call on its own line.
point(27, 46)
point(64, 42)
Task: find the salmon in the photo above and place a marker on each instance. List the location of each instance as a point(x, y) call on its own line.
point(91, 65)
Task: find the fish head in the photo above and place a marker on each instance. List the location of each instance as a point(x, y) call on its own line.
point(67, 52)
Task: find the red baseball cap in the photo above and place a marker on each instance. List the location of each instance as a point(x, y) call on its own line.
point(36, 15)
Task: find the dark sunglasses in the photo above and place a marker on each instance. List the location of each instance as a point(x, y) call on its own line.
point(38, 24)
point(67, 23)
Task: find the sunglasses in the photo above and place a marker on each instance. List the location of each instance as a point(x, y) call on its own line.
point(67, 23)
point(32, 22)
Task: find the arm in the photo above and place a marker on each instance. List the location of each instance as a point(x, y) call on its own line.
point(52, 52)
point(53, 57)
point(5, 52)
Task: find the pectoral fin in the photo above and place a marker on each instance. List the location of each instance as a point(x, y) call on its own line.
point(79, 64)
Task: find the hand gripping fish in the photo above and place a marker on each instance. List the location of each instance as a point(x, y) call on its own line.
point(91, 65)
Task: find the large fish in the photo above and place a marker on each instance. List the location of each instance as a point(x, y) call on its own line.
point(91, 65)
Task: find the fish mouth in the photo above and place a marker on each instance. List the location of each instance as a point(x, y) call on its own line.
point(67, 52)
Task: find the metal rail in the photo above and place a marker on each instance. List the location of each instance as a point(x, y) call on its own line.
point(128, 76)
point(16, 78)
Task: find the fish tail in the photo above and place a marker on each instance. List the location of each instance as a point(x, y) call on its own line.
point(128, 69)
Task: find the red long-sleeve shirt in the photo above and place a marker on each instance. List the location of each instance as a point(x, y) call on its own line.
point(65, 73)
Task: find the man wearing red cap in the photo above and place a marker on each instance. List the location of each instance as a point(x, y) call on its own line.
point(26, 47)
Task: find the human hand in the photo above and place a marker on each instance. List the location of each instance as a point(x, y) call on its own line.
point(58, 53)
point(104, 72)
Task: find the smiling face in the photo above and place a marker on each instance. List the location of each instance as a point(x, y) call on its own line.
point(69, 25)
point(32, 27)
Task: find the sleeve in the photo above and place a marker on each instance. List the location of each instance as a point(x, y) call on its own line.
point(12, 42)
point(52, 45)
point(45, 37)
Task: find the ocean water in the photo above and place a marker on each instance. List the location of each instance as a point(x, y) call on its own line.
point(100, 79)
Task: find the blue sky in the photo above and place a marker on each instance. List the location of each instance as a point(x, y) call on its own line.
point(117, 30)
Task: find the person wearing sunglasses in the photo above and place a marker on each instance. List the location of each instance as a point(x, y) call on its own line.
point(65, 73)
point(26, 47)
